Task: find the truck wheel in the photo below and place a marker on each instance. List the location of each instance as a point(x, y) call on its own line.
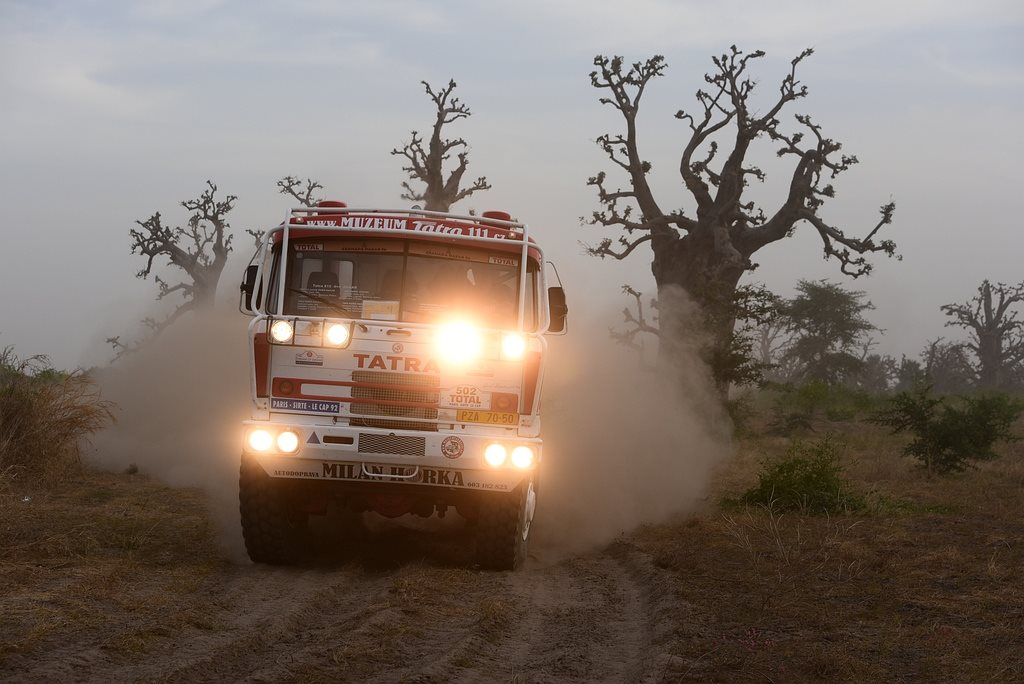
point(272, 528)
point(503, 527)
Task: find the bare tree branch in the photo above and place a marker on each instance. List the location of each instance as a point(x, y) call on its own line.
point(426, 164)
point(304, 192)
point(637, 324)
point(626, 89)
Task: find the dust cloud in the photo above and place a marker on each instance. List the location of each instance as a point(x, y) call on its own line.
point(623, 447)
point(624, 443)
point(180, 403)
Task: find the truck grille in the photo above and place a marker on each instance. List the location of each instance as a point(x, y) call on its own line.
point(370, 443)
point(383, 386)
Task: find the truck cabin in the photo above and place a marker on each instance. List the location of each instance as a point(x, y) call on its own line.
point(410, 280)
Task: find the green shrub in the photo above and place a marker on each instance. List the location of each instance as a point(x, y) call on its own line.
point(44, 416)
point(808, 479)
point(950, 432)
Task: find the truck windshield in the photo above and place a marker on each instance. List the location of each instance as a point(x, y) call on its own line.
point(405, 280)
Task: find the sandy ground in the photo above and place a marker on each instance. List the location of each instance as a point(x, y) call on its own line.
point(406, 606)
point(115, 577)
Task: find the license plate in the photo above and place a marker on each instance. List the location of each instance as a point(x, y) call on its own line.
point(489, 417)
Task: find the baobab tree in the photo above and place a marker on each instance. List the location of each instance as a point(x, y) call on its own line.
point(704, 255)
point(426, 164)
point(199, 251)
point(302, 191)
point(996, 338)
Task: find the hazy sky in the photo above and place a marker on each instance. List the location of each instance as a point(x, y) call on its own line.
point(110, 111)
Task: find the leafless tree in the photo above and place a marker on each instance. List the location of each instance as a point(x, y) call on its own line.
point(425, 164)
point(946, 368)
point(997, 339)
point(303, 191)
point(200, 250)
point(706, 254)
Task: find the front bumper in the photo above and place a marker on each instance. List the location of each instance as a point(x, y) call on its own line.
point(373, 455)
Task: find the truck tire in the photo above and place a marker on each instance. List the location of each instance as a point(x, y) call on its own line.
point(273, 529)
point(503, 527)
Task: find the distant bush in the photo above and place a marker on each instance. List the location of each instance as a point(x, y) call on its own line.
point(796, 406)
point(950, 432)
point(808, 479)
point(44, 416)
point(741, 412)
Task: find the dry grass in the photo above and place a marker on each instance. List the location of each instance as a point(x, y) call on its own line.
point(104, 559)
point(928, 585)
point(44, 416)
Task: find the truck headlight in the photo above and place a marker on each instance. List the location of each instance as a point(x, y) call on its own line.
point(513, 346)
point(288, 441)
point(522, 457)
point(260, 440)
point(282, 331)
point(338, 334)
point(459, 342)
point(495, 455)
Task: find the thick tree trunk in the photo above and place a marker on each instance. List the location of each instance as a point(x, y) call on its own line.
point(696, 294)
point(204, 291)
point(990, 361)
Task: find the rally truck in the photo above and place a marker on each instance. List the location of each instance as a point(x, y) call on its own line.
point(397, 358)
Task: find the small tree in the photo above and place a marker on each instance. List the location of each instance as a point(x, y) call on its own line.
point(997, 341)
point(876, 373)
point(828, 326)
point(908, 374)
point(948, 435)
point(426, 165)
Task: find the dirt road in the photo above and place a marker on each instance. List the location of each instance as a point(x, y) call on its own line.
point(408, 606)
point(119, 578)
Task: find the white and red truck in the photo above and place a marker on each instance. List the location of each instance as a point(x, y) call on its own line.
point(397, 359)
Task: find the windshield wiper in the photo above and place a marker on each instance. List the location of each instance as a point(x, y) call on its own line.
point(323, 300)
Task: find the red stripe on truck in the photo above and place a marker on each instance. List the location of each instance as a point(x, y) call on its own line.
point(261, 360)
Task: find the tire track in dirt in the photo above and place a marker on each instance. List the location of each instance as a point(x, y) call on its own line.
point(273, 613)
point(603, 616)
point(590, 619)
point(256, 611)
point(599, 617)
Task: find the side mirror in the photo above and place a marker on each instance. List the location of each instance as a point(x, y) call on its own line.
point(247, 287)
point(558, 308)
